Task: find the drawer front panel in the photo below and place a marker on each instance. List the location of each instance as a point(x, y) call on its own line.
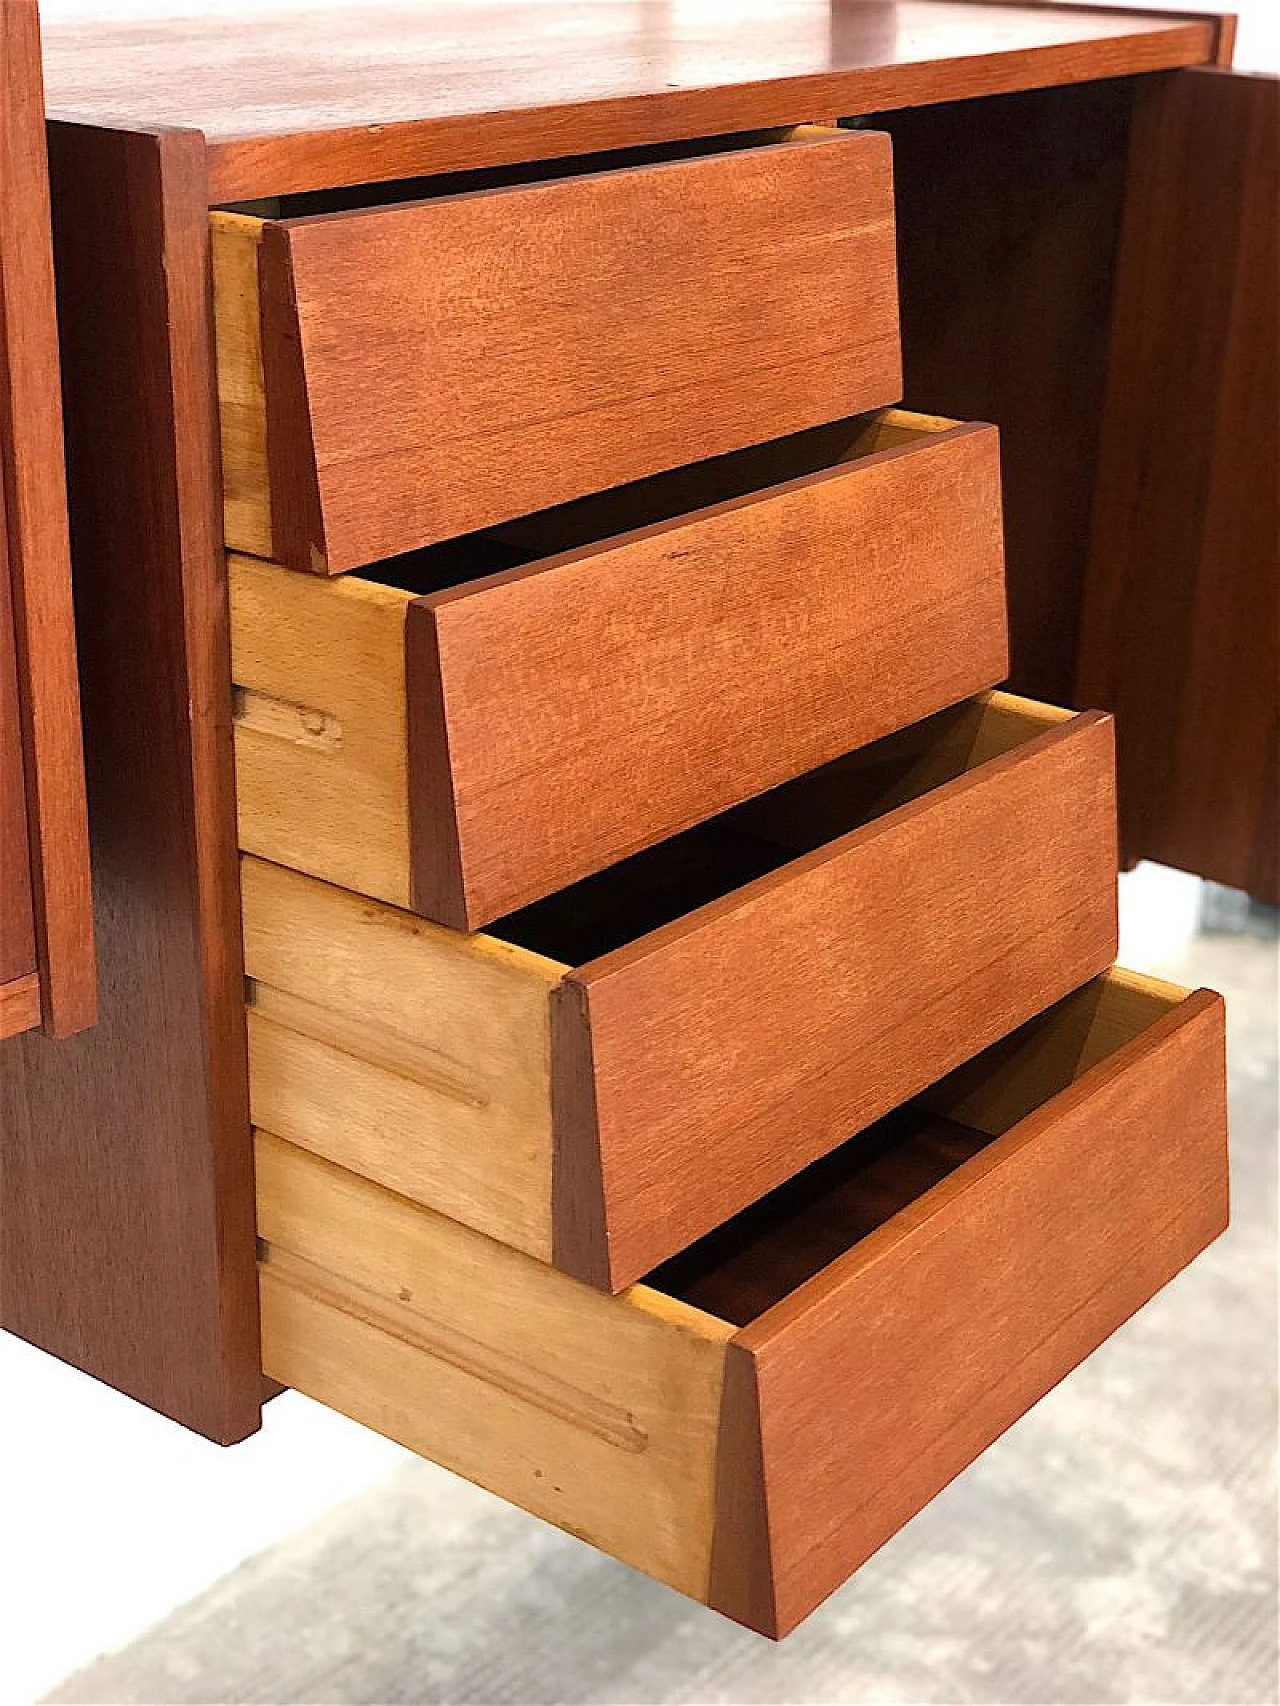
point(700, 1066)
point(609, 696)
point(856, 1400)
point(435, 367)
point(618, 695)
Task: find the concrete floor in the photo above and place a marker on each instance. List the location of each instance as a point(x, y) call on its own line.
point(1119, 1544)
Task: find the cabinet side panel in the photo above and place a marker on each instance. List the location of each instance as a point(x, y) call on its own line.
point(1181, 631)
point(127, 1191)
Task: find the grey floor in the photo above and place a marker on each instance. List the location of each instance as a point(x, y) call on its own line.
point(1118, 1545)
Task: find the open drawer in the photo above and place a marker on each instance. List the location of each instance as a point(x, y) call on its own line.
point(606, 1075)
point(757, 1418)
point(469, 728)
point(393, 375)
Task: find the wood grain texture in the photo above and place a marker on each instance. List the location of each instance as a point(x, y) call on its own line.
point(1181, 631)
point(1046, 1055)
point(1137, 461)
point(19, 1005)
point(566, 336)
point(34, 516)
point(597, 1414)
point(389, 743)
point(1221, 19)
point(413, 1055)
point(1009, 215)
point(681, 644)
point(868, 1389)
point(923, 1288)
point(426, 1060)
point(321, 725)
point(127, 1192)
point(825, 993)
point(242, 406)
point(774, 1246)
point(17, 919)
point(379, 91)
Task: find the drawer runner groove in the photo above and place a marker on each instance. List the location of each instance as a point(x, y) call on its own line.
point(378, 1047)
point(303, 725)
point(532, 1387)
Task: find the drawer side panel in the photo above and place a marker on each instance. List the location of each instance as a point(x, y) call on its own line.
point(412, 1054)
point(597, 1414)
point(321, 726)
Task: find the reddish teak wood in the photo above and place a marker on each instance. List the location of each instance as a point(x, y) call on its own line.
point(1221, 18)
point(1181, 631)
point(757, 1259)
point(136, 1141)
point(17, 923)
point(126, 1193)
point(357, 93)
point(442, 365)
point(699, 1066)
point(37, 626)
point(858, 1397)
point(784, 627)
point(1158, 439)
point(1008, 217)
point(19, 1005)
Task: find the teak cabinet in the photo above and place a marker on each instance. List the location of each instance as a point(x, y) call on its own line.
point(46, 930)
point(600, 981)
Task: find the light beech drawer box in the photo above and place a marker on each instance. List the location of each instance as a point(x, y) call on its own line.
point(760, 1416)
point(394, 375)
point(609, 1074)
point(673, 648)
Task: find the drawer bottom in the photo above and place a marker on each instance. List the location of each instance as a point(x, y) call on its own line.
point(850, 1343)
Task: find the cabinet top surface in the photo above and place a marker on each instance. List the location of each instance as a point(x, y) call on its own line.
point(297, 94)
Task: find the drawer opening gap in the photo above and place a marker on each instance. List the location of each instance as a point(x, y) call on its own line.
point(655, 502)
point(310, 204)
point(753, 1261)
point(703, 864)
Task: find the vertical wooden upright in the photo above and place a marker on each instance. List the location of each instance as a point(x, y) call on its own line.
point(126, 1192)
point(1181, 627)
point(46, 927)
